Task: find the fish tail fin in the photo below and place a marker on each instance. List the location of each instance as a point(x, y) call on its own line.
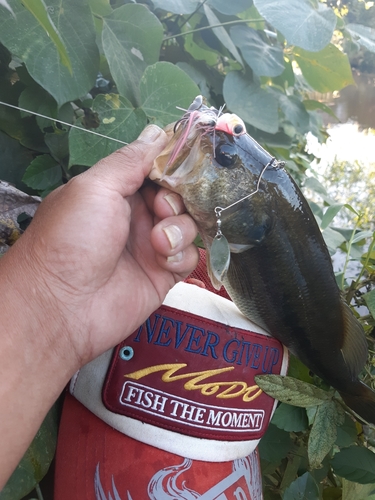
point(354, 348)
point(361, 399)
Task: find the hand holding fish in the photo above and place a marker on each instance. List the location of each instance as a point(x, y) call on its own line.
point(97, 260)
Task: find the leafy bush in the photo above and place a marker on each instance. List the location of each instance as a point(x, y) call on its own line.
point(111, 67)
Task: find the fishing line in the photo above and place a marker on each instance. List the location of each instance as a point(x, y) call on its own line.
point(220, 249)
point(63, 123)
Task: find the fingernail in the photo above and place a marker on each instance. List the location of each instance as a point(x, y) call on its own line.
point(175, 258)
point(174, 235)
point(150, 134)
point(171, 199)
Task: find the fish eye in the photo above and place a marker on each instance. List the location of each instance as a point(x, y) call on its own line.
point(226, 155)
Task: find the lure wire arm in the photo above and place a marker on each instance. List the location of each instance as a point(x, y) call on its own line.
point(232, 208)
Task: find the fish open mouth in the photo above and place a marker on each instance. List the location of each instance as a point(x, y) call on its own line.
point(198, 120)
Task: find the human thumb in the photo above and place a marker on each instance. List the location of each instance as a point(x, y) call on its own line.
point(126, 168)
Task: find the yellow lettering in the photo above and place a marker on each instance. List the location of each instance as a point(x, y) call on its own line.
point(228, 393)
point(251, 389)
point(170, 369)
point(228, 390)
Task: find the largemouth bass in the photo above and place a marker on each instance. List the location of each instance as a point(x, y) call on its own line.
point(279, 272)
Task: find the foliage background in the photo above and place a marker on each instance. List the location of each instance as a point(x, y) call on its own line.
point(112, 66)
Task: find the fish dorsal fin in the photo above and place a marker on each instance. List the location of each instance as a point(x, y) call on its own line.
point(354, 348)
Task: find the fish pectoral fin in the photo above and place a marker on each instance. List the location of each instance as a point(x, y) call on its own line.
point(237, 248)
point(354, 348)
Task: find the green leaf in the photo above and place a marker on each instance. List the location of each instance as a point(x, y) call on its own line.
point(300, 22)
point(42, 173)
point(74, 22)
point(39, 10)
point(176, 6)
point(356, 491)
point(364, 35)
point(275, 444)
point(264, 59)
point(229, 8)
point(35, 98)
point(221, 33)
point(370, 301)
point(298, 370)
point(325, 71)
point(197, 77)
point(287, 77)
point(100, 7)
point(368, 260)
point(292, 391)
point(290, 418)
point(346, 433)
point(332, 492)
point(163, 87)
point(58, 144)
point(294, 463)
point(330, 214)
point(36, 461)
point(323, 433)
point(256, 19)
point(24, 130)
point(14, 160)
point(303, 488)
point(362, 235)
point(118, 119)
point(199, 53)
point(355, 464)
point(320, 475)
point(131, 38)
point(311, 412)
point(254, 105)
point(312, 105)
point(279, 140)
point(317, 210)
point(316, 186)
point(333, 239)
point(295, 112)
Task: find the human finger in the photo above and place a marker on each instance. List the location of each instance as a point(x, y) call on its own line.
point(182, 264)
point(173, 234)
point(125, 170)
point(167, 204)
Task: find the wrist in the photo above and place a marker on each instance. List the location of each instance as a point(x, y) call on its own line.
point(35, 352)
point(35, 360)
point(30, 315)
